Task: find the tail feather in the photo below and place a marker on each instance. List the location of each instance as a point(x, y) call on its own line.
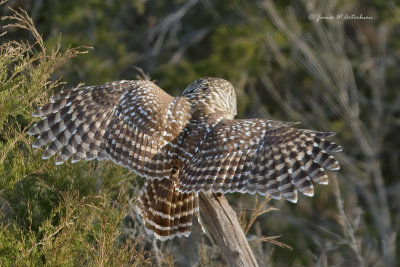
point(166, 212)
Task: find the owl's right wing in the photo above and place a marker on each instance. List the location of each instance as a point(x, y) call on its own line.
point(123, 121)
point(259, 156)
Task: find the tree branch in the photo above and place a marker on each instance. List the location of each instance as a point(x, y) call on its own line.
point(223, 226)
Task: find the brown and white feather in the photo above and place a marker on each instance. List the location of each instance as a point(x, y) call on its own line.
point(183, 146)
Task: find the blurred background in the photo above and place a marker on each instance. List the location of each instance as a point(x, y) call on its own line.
point(331, 65)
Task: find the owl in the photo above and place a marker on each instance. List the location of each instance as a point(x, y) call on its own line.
point(182, 146)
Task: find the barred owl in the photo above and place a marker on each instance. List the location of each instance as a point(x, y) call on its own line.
point(183, 146)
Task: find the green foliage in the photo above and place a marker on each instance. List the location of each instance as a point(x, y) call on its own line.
point(79, 230)
point(53, 216)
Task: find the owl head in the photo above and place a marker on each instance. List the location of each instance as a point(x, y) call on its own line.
point(214, 94)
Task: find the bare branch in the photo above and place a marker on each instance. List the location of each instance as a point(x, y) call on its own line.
point(223, 226)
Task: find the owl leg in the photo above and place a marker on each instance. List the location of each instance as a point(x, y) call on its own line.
point(165, 211)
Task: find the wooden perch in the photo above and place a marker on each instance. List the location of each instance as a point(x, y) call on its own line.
point(223, 226)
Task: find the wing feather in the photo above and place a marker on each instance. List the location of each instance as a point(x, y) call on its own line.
point(123, 121)
point(259, 156)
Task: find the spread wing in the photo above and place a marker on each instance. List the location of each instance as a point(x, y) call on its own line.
point(123, 121)
point(259, 156)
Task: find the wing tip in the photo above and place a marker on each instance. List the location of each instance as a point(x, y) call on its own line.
point(38, 143)
point(38, 113)
point(59, 161)
point(33, 130)
point(307, 191)
point(338, 148)
point(336, 167)
point(293, 199)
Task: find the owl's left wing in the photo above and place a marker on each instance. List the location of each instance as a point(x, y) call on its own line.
point(259, 156)
point(124, 121)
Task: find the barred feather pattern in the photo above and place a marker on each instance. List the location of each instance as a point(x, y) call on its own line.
point(122, 121)
point(166, 212)
point(183, 146)
point(259, 156)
